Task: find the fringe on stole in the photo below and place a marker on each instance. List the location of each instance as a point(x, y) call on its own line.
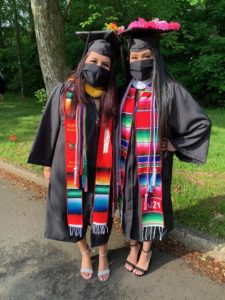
point(149, 232)
point(99, 229)
point(75, 231)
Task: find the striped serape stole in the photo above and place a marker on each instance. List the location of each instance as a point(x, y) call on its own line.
point(76, 168)
point(103, 179)
point(144, 115)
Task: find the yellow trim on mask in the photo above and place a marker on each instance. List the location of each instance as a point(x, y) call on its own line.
point(94, 92)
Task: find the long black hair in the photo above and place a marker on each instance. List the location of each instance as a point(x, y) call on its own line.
point(161, 80)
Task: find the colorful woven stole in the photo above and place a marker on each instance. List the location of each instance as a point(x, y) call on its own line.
point(76, 168)
point(143, 116)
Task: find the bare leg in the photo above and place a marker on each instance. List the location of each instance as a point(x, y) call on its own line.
point(86, 259)
point(144, 259)
point(133, 255)
point(103, 262)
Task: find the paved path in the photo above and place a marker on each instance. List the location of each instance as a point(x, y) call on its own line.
point(32, 267)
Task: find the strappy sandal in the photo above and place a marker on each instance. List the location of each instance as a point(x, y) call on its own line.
point(140, 269)
point(130, 263)
point(104, 272)
point(86, 270)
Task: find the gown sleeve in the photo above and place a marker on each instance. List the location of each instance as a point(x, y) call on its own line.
point(190, 127)
point(44, 144)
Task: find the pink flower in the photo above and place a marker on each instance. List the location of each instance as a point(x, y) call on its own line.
point(174, 26)
point(140, 23)
point(155, 24)
point(121, 29)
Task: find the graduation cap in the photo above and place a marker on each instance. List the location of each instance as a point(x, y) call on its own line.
point(104, 42)
point(146, 34)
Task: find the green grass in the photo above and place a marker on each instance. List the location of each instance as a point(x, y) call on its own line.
point(21, 117)
point(198, 191)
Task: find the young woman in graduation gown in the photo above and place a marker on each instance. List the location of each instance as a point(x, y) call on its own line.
point(74, 143)
point(158, 117)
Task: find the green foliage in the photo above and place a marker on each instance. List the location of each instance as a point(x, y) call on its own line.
point(8, 60)
point(41, 96)
point(195, 55)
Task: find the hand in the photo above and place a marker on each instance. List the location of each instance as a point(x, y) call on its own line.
point(170, 147)
point(167, 146)
point(47, 173)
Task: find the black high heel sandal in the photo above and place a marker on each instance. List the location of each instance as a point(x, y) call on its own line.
point(130, 263)
point(140, 269)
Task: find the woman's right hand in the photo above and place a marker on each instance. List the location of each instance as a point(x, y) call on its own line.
point(47, 173)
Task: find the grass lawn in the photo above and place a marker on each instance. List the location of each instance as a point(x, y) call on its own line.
point(20, 117)
point(198, 191)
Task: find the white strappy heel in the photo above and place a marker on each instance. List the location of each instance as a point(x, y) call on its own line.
point(104, 272)
point(86, 270)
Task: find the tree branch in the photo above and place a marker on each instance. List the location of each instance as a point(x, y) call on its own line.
point(68, 4)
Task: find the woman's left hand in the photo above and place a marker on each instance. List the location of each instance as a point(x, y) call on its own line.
point(170, 147)
point(167, 146)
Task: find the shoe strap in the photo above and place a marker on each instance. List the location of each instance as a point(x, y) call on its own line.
point(86, 251)
point(134, 245)
point(86, 270)
point(102, 255)
point(104, 272)
point(147, 250)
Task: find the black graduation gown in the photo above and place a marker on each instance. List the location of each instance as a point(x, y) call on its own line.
point(49, 150)
point(190, 132)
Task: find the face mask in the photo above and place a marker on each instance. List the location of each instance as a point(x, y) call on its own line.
point(142, 69)
point(95, 76)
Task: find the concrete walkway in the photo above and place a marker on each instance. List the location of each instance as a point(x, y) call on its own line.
point(32, 267)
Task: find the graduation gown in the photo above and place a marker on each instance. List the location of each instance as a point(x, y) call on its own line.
point(190, 132)
point(49, 150)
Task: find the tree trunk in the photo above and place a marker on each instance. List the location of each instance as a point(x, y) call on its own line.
point(49, 30)
point(18, 46)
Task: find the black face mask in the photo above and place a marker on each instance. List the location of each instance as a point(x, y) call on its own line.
point(95, 76)
point(142, 69)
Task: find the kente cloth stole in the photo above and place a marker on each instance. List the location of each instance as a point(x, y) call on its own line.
point(77, 170)
point(142, 116)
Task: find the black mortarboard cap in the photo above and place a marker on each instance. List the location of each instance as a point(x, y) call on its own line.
point(139, 39)
point(104, 42)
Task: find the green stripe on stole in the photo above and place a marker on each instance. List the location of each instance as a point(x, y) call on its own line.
point(102, 189)
point(152, 218)
point(127, 120)
point(72, 193)
point(143, 135)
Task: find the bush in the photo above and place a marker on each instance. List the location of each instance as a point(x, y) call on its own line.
point(41, 96)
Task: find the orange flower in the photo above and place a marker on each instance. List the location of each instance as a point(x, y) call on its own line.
point(114, 27)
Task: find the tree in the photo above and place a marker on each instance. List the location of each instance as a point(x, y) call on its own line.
point(49, 30)
point(18, 46)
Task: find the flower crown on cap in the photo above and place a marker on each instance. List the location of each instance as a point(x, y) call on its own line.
point(155, 25)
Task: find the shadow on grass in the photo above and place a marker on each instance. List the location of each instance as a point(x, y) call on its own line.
point(207, 216)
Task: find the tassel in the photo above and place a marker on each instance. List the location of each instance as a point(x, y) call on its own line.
point(150, 188)
point(75, 231)
point(149, 233)
point(99, 229)
point(84, 182)
point(154, 177)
